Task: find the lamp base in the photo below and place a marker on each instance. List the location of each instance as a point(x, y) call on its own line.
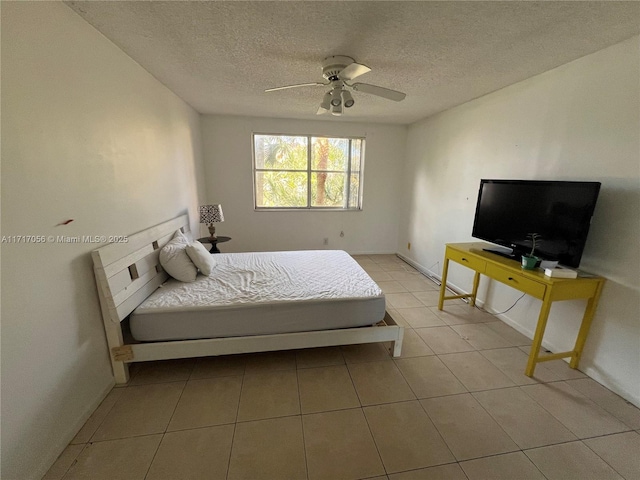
point(212, 232)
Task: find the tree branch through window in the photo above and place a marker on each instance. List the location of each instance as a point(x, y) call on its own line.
point(307, 172)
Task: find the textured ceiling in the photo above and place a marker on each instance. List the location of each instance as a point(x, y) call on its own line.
point(221, 56)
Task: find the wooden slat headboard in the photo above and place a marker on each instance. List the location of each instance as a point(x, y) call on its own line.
point(127, 273)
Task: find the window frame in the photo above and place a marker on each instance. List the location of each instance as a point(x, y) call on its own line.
point(309, 171)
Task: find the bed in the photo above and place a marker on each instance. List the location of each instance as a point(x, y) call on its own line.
point(253, 302)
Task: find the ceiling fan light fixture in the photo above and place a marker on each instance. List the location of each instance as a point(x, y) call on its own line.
point(326, 101)
point(339, 71)
point(336, 99)
point(347, 99)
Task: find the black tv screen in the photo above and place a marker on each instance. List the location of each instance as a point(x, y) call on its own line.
point(560, 212)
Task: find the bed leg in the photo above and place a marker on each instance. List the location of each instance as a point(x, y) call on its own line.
point(397, 344)
point(114, 340)
point(120, 372)
point(112, 327)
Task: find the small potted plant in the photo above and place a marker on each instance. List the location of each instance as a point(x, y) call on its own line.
point(529, 260)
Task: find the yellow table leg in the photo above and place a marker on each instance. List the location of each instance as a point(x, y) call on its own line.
point(443, 286)
point(585, 326)
point(474, 293)
point(537, 338)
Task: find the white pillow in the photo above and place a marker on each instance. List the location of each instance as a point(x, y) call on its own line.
point(201, 258)
point(176, 262)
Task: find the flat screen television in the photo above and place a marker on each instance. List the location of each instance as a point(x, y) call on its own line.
point(560, 212)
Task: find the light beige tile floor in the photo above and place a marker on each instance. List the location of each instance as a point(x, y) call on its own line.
point(455, 406)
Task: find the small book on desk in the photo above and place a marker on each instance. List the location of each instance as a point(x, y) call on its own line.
point(560, 272)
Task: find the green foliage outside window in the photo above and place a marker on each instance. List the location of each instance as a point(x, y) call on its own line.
point(307, 171)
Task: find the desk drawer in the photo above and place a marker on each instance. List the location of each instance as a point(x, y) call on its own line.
point(471, 261)
point(516, 280)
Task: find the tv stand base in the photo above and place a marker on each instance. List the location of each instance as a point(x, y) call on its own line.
point(511, 255)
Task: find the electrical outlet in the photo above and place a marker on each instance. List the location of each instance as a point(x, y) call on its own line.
point(326, 241)
point(409, 246)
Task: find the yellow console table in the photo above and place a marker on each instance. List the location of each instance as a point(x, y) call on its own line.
point(532, 282)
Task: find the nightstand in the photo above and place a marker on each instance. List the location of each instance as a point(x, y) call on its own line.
point(214, 243)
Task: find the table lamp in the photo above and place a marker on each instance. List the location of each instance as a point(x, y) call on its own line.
point(211, 214)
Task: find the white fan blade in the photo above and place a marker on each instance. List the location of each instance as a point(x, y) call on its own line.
point(379, 91)
point(352, 71)
point(314, 84)
point(322, 111)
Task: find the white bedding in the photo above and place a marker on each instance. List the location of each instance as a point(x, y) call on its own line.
point(263, 293)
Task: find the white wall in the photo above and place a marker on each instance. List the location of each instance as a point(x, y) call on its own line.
point(88, 135)
point(228, 167)
point(576, 122)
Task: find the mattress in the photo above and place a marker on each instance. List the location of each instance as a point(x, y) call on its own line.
point(262, 293)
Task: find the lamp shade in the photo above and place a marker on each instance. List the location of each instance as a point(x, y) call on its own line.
point(336, 99)
point(326, 101)
point(211, 214)
point(347, 99)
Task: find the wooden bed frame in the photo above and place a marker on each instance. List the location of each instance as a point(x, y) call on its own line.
point(127, 273)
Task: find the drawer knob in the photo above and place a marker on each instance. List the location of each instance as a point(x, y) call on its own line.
point(464, 259)
point(511, 279)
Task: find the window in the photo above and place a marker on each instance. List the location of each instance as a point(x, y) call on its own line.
point(304, 171)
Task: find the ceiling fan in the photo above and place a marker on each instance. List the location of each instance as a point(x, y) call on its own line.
point(339, 70)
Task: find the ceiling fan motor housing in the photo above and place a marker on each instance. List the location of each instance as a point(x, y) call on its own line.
point(332, 66)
